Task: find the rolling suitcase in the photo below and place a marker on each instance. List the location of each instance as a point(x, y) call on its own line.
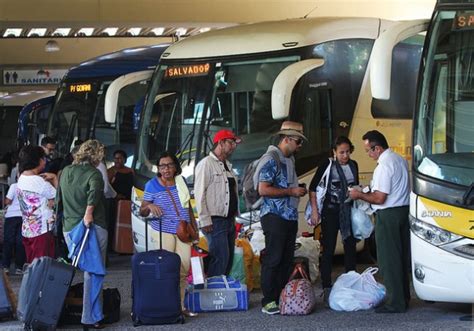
point(155, 286)
point(43, 289)
point(7, 298)
point(123, 241)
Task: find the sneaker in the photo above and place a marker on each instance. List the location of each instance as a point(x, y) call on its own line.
point(271, 308)
point(18, 271)
point(6, 270)
point(325, 294)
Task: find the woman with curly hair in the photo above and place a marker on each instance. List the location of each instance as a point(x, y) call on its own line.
point(82, 194)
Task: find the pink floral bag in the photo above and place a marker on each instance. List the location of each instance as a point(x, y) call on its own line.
point(297, 298)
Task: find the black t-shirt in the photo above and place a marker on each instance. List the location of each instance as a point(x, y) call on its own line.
point(233, 203)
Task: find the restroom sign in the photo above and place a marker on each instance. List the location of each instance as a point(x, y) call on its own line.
point(33, 77)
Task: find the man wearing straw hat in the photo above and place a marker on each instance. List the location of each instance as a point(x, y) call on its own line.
point(278, 185)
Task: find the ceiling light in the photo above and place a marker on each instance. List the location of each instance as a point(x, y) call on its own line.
point(158, 31)
point(181, 31)
point(134, 31)
point(12, 32)
point(110, 31)
point(61, 32)
point(51, 46)
point(37, 32)
point(85, 32)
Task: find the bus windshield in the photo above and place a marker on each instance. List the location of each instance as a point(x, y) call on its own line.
point(189, 102)
point(443, 140)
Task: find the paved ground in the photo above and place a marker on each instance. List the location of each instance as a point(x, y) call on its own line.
point(421, 315)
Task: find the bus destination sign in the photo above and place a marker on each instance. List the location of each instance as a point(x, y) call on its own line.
point(188, 70)
point(80, 88)
point(464, 21)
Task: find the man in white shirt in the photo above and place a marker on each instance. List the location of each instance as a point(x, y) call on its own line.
point(390, 197)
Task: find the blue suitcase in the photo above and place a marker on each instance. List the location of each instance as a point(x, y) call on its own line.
point(155, 286)
point(219, 293)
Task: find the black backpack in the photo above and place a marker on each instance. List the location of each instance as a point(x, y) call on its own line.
point(251, 197)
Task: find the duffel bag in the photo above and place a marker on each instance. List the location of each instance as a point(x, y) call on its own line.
point(297, 298)
point(219, 293)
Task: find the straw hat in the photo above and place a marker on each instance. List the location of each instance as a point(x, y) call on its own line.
point(289, 128)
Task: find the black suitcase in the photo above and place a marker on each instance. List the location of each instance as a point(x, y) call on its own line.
point(43, 289)
point(155, 286)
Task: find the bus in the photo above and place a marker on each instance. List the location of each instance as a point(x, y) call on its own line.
point(10, 107)
point(442, 198)
point(32, 121)
point(96, 99)
point(252, 77)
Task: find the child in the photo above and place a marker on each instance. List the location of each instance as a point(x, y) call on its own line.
point(12, 232)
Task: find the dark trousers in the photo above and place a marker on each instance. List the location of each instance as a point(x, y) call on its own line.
point(221, 243)
point(330, 229)
point(392, 236)
point(12, 241)
point(277, 263)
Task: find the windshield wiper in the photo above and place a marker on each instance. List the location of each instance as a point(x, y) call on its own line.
point(465, 198)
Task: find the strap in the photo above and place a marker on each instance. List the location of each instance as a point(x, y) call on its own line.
point(172, 200)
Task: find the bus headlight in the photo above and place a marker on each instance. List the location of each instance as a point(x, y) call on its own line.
point(430, 233)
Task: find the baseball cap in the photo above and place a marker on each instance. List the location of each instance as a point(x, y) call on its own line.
point(225, 134)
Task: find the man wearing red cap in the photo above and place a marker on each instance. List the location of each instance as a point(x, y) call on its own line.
point(216, 194)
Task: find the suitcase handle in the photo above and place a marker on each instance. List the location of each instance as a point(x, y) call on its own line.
point(75, 260)
point(147, 219)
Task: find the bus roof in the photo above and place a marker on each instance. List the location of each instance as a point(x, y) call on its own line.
point(23, 98)
point(118, 63)
point(273, 36)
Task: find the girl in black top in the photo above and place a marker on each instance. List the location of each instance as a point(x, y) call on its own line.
point(335, 214)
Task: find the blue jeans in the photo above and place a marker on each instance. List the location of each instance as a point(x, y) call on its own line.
point(12, 241)
point(221, 242)
point(102, 237)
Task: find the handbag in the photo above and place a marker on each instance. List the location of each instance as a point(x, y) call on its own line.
point(186, 231)
point(321, 190)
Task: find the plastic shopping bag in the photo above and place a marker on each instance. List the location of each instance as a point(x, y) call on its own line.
point(238, 271)
point(309, 248)
point(362, 225)
point(353, 291)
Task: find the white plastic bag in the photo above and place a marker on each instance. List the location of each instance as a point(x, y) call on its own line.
point(258, 240)
point(353, 291)
point(309, 248)
point(362, 225)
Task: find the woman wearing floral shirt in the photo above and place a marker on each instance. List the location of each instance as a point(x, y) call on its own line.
point(36, 194)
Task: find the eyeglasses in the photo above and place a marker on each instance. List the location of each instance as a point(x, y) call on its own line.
point(298, 141)
point(166, 166)
point(231, 141)
point(371, 149)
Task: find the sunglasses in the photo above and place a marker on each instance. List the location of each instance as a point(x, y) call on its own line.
point(298, 141)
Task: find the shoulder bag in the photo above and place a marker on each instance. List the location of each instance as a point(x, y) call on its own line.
point(186, 231)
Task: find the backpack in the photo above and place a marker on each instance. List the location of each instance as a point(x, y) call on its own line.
point(249, 191)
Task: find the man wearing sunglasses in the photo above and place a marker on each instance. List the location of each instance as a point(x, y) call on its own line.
point(216, 194)
point(390, 197)
point(278, 185)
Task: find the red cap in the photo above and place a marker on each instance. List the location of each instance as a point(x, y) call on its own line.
point(225, 134)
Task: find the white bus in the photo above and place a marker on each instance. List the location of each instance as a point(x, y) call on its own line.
point(252, 77)
point(96, 99)
point(10, 108)
point(442, 199)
